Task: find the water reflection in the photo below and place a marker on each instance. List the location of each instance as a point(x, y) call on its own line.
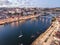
point(23, 32)
point(17, 23)
point(1, 26)
point(12, 24)
point(32, 36)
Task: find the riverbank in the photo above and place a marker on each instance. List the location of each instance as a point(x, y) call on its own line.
point(47, 36)
point(9, 20)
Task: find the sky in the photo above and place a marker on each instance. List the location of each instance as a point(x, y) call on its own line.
point(30, 3)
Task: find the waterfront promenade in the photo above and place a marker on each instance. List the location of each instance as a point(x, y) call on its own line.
point(47, 37)
point(9, 20)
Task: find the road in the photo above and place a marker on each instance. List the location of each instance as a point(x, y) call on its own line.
point(47, 36)
point(8, 20)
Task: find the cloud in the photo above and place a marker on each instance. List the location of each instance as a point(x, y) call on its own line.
point(19, 3)
point(29, 3)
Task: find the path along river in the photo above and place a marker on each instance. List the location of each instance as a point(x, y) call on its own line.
point(23, 32)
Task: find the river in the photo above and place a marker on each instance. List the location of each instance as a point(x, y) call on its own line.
point(23, 32)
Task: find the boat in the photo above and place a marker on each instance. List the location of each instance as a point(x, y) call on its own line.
point(20, 36)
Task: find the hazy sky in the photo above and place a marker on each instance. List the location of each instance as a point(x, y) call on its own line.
point(30, 3)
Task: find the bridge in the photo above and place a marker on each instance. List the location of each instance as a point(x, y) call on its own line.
point(47, 37)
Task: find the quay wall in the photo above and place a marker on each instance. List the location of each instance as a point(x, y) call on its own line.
point(46, 37)
point(9, 20)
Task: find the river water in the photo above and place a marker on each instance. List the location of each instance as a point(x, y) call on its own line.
point(23, 32)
